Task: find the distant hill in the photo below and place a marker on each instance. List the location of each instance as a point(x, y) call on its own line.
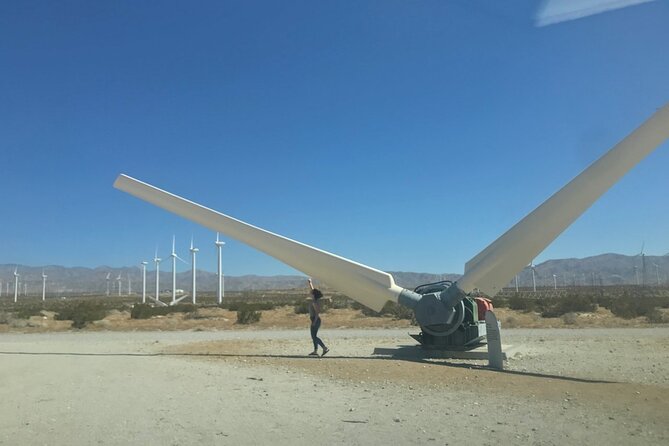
point(604, 269)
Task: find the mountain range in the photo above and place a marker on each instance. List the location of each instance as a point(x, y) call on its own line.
point(604, 269)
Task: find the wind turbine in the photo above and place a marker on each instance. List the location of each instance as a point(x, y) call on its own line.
point(643, 265)
point(534, 277)
point(44, 276)
point(129, 285)
point(636, 274)
point(439, 312)
point(144, 281)
point(118, 280)
point(157, 259)
point(16, 284)
point(220, 292)
point(174, 270)
point(193, 252)
point(554, 282)
point(107, 278)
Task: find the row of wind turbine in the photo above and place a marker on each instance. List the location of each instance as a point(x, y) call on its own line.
point(220, 292)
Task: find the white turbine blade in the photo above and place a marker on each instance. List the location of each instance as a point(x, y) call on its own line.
point(369, 286)
point(494, 267)
point(556, 11)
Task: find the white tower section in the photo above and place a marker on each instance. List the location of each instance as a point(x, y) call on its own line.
point(193, 252)
point(220, 293)
point(157, 259)
point(174, 272)
point(16, 284)
point(144, 281)
point(44, 276)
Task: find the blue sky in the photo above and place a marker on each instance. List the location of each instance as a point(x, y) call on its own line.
point(405, 135)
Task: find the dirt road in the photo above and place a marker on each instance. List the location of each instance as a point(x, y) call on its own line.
point(597, 386)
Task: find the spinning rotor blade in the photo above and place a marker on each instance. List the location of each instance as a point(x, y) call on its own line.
point(494, 267)
point(369, 286)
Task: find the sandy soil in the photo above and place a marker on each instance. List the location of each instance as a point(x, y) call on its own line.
point(578, 386)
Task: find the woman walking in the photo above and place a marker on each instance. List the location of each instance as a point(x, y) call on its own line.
point(314, 315)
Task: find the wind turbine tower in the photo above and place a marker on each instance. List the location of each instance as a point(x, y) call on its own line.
point(174, 272)
point(534, 276)
point(107, 278)
point(16, 284)
point(193, 252)
point(643, 264)
point(157, 260)
point(44, 276)
point(221, 286)
point(554, 282)
point(129, 285)
point(118, 279)
point(144, 282)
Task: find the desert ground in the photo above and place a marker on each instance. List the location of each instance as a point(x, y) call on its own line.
point(195, 382)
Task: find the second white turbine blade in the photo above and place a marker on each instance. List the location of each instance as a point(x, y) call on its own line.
point(369, 286)
point(496, 265)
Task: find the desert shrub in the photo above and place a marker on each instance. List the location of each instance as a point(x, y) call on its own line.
point(141, 311)
point(357, 306)
point(390, 309)
point(630, 306)
point(397, 311)
point(626, 308)
point(81, 313)
point(26, 311)
point(340, 302)
point(256, 306)
point(302, 307)
point(656, 316)
point(196, 315)
point(525, 304)
point(5, 318)
point(369, 312)
point(500, 302)
point(247, 316)
point(570, 318)
point(571, 303)
point(146, 311)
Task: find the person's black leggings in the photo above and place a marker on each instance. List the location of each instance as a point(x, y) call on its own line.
point(314, 334)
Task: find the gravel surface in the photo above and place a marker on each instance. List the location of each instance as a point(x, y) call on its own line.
point(597, 386)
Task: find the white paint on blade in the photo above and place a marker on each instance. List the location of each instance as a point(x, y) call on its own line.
point(557, 11)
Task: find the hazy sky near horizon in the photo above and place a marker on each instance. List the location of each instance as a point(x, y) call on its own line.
point(403, 135)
